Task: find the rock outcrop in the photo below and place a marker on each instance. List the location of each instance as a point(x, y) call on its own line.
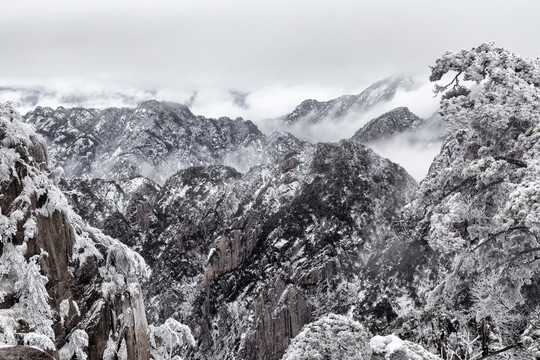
point(122, 209)
point(405, 138)
point(402, 126)
point(247, 259)
point(66, 288)
point(387, 125)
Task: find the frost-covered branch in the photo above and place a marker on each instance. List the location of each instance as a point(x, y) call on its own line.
point(510, 347)
point(512, 161)
point(496, 235)
point(441, 88)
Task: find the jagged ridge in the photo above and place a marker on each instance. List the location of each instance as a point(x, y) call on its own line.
point(313, 111)
point(154, 140)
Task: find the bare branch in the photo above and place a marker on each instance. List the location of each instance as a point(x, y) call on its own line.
point(455, 82)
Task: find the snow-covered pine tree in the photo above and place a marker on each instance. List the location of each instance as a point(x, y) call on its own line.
point(168, 339)
point(478, 207)
point(331, 337)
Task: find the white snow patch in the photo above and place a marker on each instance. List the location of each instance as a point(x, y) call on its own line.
point(64, 310)
point(280, 243)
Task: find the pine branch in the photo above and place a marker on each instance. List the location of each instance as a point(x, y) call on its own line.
point(512, 161)
point(501, 350)
point(494, 236)
point(527, 251)
point(455, 82)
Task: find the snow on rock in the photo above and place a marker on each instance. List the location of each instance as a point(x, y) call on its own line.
point(234, 255)
point(391, 347)
point(38, 341)
point(316, 229)
point(78, 341)
point(387, 125)
point(50, 257)
point(64, 310)
point(120, 208)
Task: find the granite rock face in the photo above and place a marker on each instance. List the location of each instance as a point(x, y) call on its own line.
point(247, 259)
point(122, 209)
point(66, 288)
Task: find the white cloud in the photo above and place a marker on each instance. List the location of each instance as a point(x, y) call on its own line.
point(415, 157)
point(248, 44)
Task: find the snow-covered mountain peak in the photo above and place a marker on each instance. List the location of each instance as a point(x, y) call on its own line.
point(313, 111)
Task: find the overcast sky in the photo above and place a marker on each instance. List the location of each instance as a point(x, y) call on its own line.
point(278, 51)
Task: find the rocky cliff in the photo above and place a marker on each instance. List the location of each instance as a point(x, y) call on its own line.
point(65, 287)
point(247, 259)
point(384, 127)
point(328, 236)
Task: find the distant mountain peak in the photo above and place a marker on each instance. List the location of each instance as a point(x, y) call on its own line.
point(388, 124)
point(313, 111)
